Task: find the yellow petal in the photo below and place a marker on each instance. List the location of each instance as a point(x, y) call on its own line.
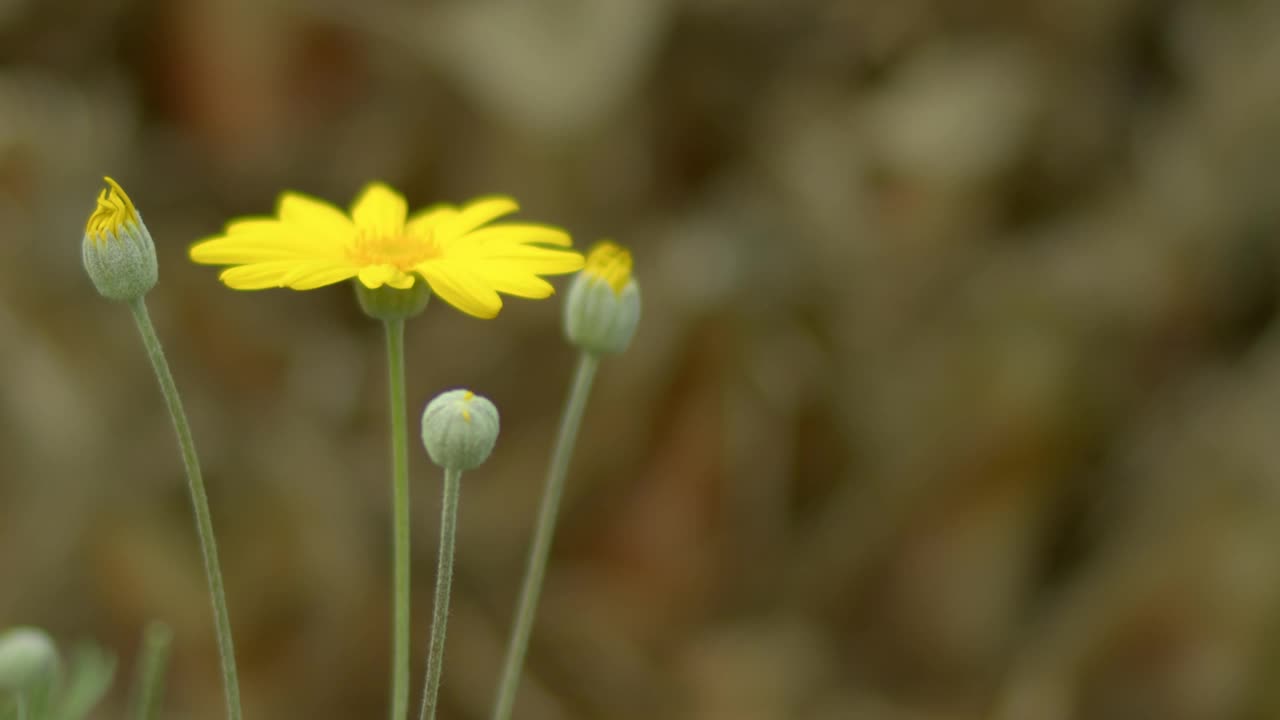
point(257, 276)
point(514, 280)
point(227, 251)
point(379, 211)
point(425, 221)
point(476, 213)
point(461, 288)
point(536, 260)
point(232, 251)
point(402, 280)
point(375, 276)
point(319, 219)
point(252, 223)
point(309, 277)
point(259, 239)
point(519, 234)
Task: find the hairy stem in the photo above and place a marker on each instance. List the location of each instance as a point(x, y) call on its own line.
point(199, 503)
point(444, 585)
point(544, 532)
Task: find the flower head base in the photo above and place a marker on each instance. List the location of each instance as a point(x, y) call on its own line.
point(464, 258)
point(603, 306)
point(117, 250)
point(389, 303)
point(459, 429)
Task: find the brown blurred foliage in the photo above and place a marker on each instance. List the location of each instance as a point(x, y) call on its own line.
point(954, 397)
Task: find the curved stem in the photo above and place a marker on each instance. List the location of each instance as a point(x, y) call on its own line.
point(400, 520)
point(544, 532)
point(199, 503)
point(444, 585)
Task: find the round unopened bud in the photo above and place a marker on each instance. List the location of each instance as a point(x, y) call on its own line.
point(603, 307)
point(28, 657)
point(117, 250)
point(459, 429)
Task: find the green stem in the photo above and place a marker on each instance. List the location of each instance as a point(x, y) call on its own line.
point(199, 503)
point(151, 670)
point(544, 532)
point(444, 585)
point(399, 520)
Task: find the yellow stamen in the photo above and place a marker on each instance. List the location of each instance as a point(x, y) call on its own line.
point(466, 413)
point(610, 262)
point(114, 211)
point(402, 250)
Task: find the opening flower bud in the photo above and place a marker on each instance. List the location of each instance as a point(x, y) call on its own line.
point(459, 429)
point(118, 252)
point(603, 306)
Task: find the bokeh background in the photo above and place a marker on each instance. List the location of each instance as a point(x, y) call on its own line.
point(957, 393)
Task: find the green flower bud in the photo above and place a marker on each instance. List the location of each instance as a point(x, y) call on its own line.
point(459, 429)
point(603, 307)
point(118, 252)
point(28, 658)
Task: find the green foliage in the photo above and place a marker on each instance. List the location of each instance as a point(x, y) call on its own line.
point(55, 695)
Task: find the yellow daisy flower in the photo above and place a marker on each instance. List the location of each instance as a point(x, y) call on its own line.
point(464, 258)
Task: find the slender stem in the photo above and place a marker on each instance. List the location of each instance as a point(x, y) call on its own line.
point(156, 641)
point(543, 534)
point(399, 520)
point(444, 585)
point(199, 503)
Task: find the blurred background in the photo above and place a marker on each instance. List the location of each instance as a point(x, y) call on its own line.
point(956, 394)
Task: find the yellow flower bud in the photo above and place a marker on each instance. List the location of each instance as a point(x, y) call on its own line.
point(603, 306)
point(118, 252)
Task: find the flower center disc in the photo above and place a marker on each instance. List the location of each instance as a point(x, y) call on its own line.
point(402, 251)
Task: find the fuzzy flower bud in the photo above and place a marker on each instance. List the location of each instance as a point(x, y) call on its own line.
point(459, 429)
point(118, 252)
point(28, 657)
point(603, 307)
